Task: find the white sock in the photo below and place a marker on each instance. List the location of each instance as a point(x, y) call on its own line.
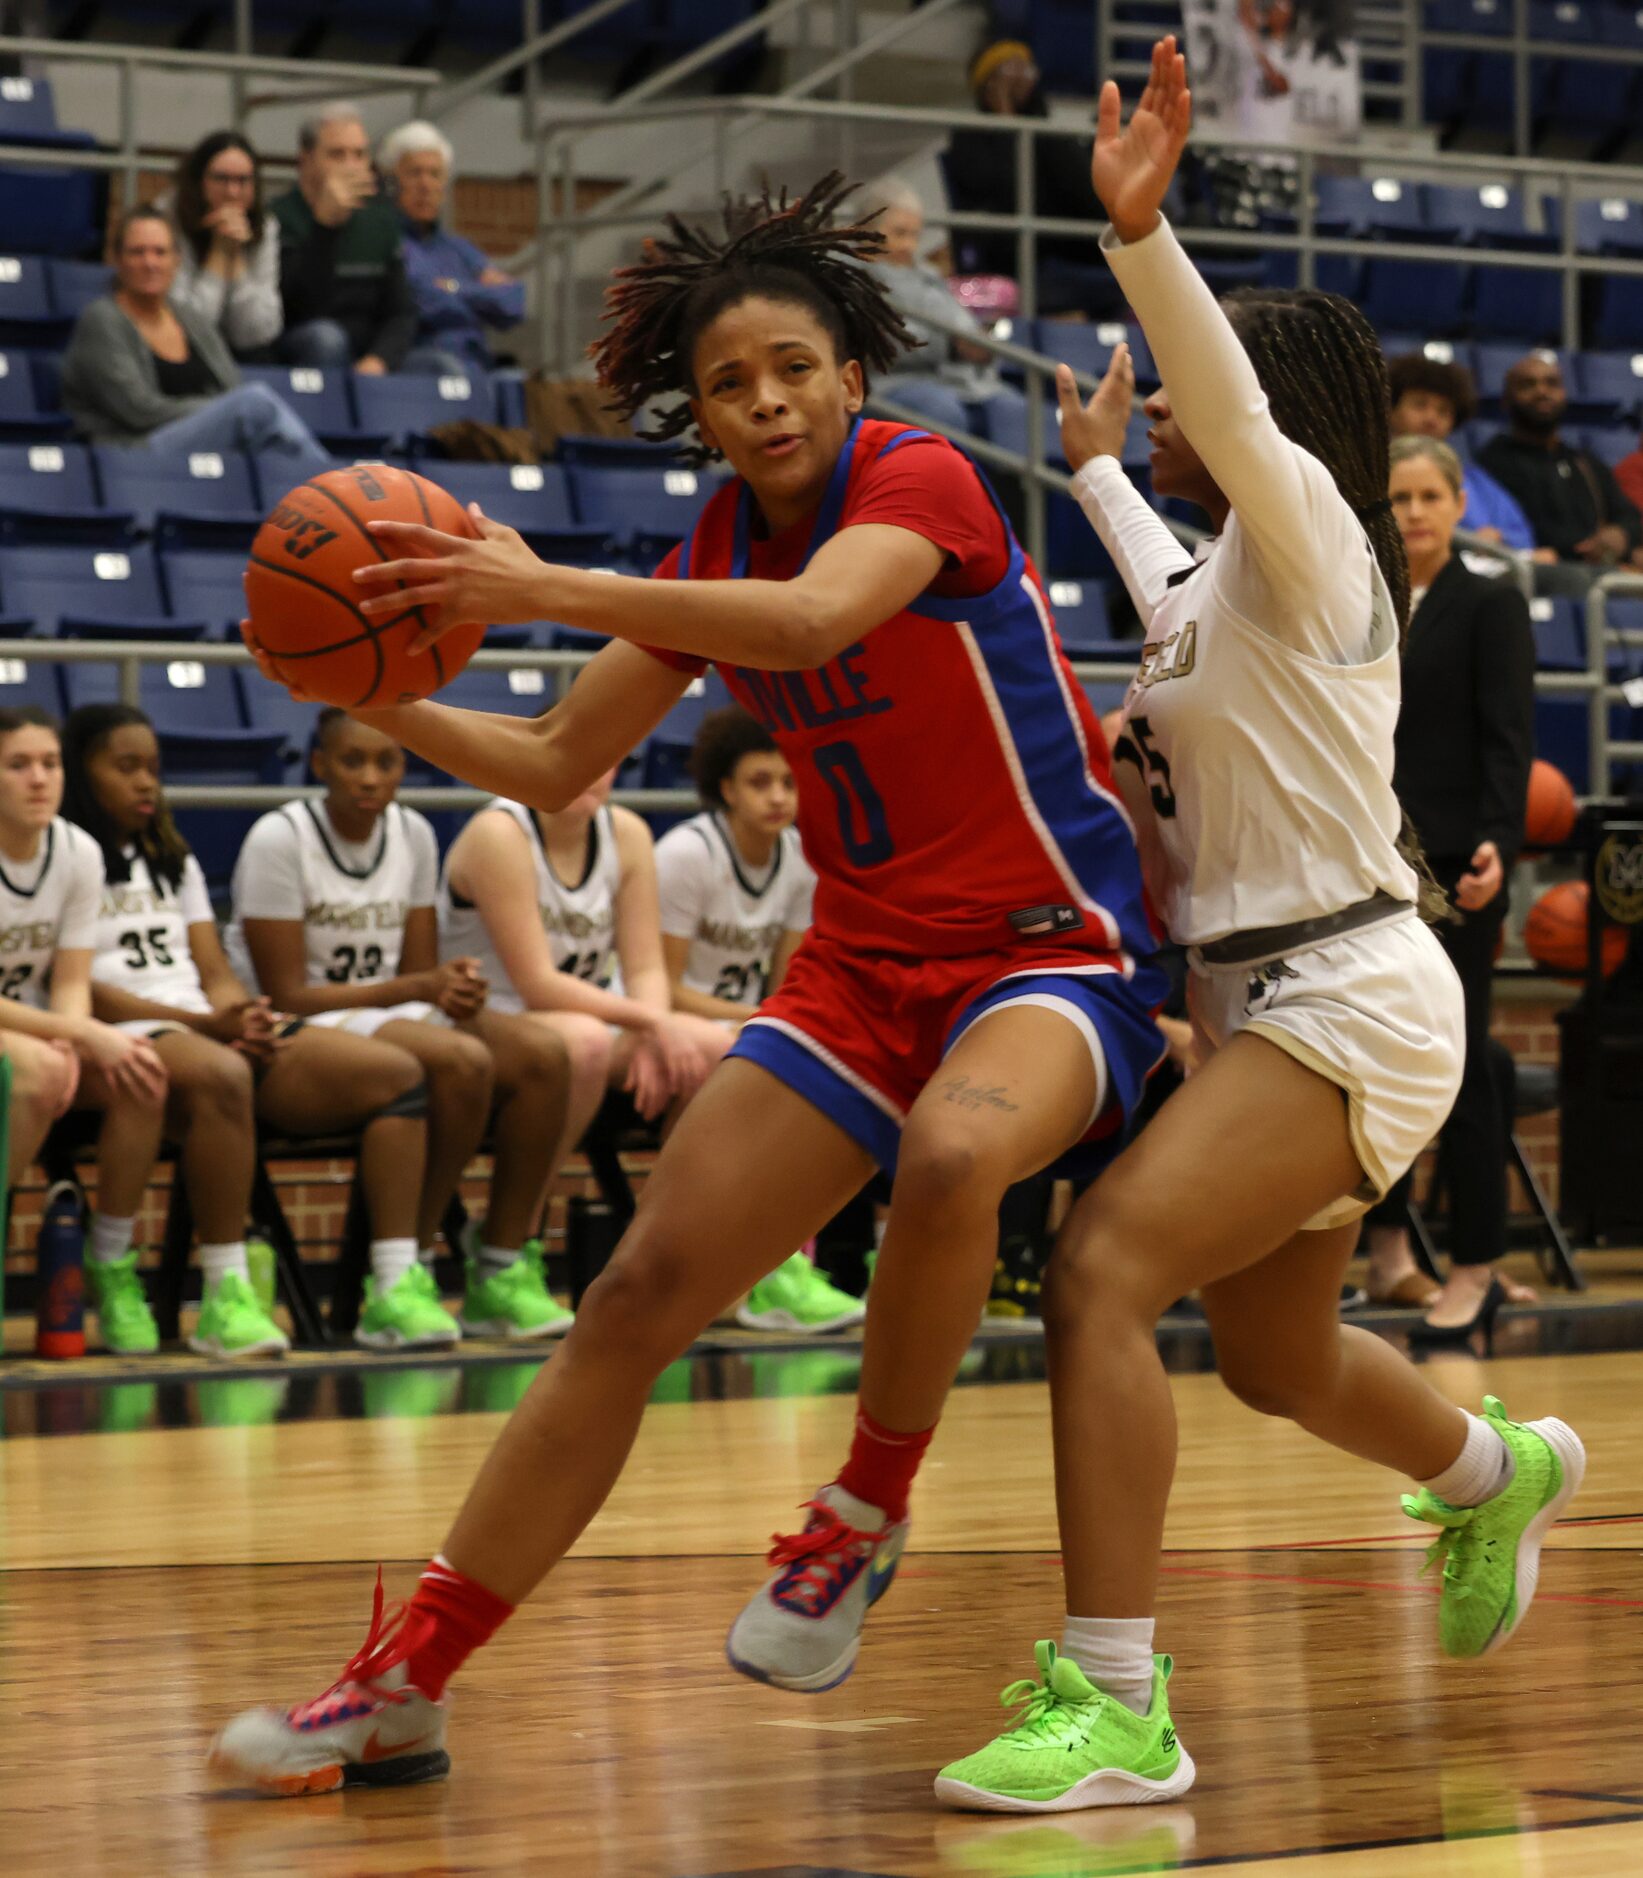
point(1116, 1654)
point(110, 1238)
point(1482, 1469)
point(217, 1261)
point(495, 1258)
point(391, 1259)
point(426, 1254)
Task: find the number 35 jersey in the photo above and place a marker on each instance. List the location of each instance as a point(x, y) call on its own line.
point(351, 897)
point(955, 795)
point(142, 934)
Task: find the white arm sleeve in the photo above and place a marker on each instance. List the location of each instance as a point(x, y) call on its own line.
point(419, 832)
point(1143, 549)
point(1291, 531)
point(193, 901)
point(77, 926)
point(684, 879)
point(268, 874)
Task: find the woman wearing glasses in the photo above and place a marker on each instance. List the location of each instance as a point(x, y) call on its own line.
point(228, 260)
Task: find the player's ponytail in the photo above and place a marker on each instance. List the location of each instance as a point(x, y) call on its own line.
point(1321, 367)
point(162, 847)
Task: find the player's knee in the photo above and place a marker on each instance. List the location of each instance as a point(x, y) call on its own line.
point(937, 1167)
point(397, 1089)
point(220, 1082)
point(1099, 1275)
point(588, 1045)
point(543, 1057)
point(462, 1068)
point(639, 1304)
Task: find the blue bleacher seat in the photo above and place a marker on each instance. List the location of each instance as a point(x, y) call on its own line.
point(199, 485)
point(85, 582)
point(1431, 294)
point(1560, 635)
point(321, 399)
point(1620, 23)
point(48, 479)
point(28, 112)
point(1611, 442)
point(531, 497)
point(271, 707)
point(523, 693)
point(1609, 225)
point(1492, 360)
point(401, 404)
point(30, 681)
point(1372, 205)
point(1493, 17)
point(22, 416)
point(202, 754)
point(1525, 302)
point(510, 398)
point(1446, 83)
point(48, 210)
point(183, 695)
point(1591, 98)
point(1080, 608)
point(75, 284)
point(27, 317)
point(1619, 320)
point(662, 503)
point(1488, 216)
point(1085, 346)
point(1610, 384)
point(1563, 22)
point(204, 584)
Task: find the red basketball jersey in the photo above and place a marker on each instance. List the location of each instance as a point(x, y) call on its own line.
point(955, 794)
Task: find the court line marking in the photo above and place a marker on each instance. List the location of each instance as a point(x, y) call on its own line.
point(1378, 1584)
point(1596, 1799)
point(1404, 1538)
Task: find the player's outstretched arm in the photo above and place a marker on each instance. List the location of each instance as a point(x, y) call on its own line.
point(776, 625)
point(1214, 393)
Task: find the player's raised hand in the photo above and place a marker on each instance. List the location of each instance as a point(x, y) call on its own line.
point(1097, 428)
point(1132, 167)
point(493, 579)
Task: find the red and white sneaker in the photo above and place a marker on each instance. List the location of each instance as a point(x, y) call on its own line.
point(371, 1728)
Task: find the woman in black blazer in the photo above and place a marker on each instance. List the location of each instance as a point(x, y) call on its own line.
point(1465, 741)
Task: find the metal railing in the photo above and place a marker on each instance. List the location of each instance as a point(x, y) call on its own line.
point(311, 80)
point(1601, 639)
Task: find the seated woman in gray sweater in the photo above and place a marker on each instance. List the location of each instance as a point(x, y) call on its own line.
point(142, 372)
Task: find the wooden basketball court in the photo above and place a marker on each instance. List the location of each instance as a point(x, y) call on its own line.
point(156, 1578)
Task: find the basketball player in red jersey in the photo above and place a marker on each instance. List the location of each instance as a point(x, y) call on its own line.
point(972, 1004)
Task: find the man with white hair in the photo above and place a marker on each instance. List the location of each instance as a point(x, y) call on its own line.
point(342, 278)
point(946, 374)
point(458, 291)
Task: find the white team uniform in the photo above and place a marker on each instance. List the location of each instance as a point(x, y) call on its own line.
point(1256, 755)
point(47, 905)
point(142, 940)
point(734, 916)
point(352, 898)
point(579, 919)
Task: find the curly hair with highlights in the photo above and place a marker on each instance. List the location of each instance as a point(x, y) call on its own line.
point(791, 252)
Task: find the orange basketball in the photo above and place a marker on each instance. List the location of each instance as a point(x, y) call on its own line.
point(1555, 931)
point(304, 601)
point(1549, 816)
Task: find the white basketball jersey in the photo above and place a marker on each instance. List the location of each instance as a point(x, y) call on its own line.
point(579, 919)
point(142, 935)
point(352, 900)
point(733, 918)
point(47, 905)
point(1267, 774)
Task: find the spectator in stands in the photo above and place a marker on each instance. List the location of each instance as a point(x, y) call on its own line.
point(1570, 496)
point(342, 277)
point(458, 291)
point(944, 374)
point(228, 251)
point(1465, 739)
point(981, 176)
point(140, 370)
point(1431, 398)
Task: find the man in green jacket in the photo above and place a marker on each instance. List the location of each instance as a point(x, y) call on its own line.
point(342, 278)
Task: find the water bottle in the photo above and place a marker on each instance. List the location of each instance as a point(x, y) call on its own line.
point(59, 1275)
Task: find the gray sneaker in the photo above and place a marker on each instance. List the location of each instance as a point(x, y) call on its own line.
point(803, 1628)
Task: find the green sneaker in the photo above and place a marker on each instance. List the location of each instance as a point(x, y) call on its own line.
point(121, 1303)
point(407, 1316)
point(797, 1297)
point(232, 1322)
point(1491, 1553)
point(260, 1262)
point(514, 1303)
point(1073, 1747)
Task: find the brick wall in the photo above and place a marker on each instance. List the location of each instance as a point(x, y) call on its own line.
point(1525, 1020)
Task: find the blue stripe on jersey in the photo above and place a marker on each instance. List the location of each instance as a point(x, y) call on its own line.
point(800, 1066)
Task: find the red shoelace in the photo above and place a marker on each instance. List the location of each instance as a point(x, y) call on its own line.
point(390, 1640)
point(822, 1552)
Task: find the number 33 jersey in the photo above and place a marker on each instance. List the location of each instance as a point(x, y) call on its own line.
point(351, 897)
point(142, 934)
point(955, 795)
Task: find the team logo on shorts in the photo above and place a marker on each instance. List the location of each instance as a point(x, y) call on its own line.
point(1619, 878)
point(1265, 984)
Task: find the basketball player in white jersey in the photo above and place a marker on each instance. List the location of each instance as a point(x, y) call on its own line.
point(552, 906)
point(1257, 756)
point(159, 973)
point(334, 918)
point(735, 893)
point(51, 876)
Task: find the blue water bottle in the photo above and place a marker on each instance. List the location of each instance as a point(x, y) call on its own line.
point(59, 1275)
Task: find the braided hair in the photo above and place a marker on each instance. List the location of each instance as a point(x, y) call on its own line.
point(788, 252)
point(1320, 364)
point(85, 731)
